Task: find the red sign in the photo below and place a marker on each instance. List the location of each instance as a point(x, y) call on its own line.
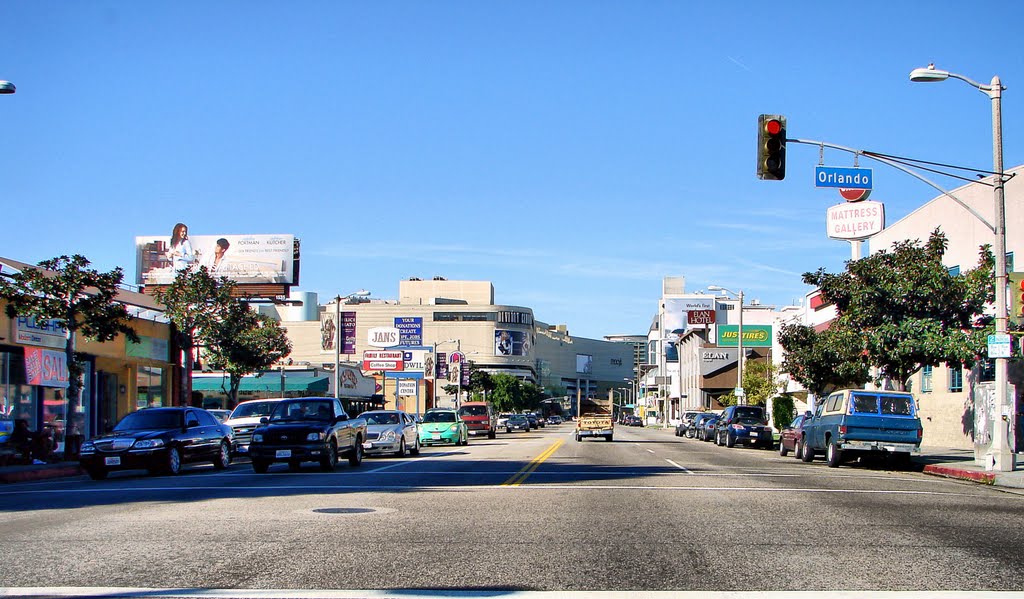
point(854, 195)
point(46, 368)
point(700, 317)
point(383, 360)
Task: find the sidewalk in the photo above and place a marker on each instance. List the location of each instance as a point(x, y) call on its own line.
point(960, 464)
point(17, 474)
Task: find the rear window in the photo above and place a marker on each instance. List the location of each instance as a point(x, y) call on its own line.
point(888, 405)
point(749, 414)
point(865, 404)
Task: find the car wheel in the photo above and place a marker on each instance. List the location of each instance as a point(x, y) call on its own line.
point(294, 465)
point(223, 456)
point(355, 457)
point(492, 433)
point(798, 452)
point(465, 439)
point(260, 466)
point(783, 451)
point(578, 438)
point(416, 446)
point(833, 455)
point(807, 455)
point(401, 448)
point(730, 441)
point(330, 461)
point(172, 462)
point(97, 473)
point(608, 438)
point(508, 430)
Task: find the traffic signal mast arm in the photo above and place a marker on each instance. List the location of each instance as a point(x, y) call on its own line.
point(899, 166)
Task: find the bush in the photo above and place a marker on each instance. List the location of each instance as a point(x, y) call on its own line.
point(783, 411)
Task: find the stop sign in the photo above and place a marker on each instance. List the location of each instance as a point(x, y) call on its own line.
point(854, 195)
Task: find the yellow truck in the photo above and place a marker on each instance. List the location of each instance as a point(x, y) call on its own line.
point(594, 418)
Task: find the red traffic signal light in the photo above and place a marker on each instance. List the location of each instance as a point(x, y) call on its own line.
point(1016, 295)
point(771, 147)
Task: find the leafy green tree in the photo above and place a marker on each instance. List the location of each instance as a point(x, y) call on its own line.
point(480, 381)
point(243, 342)
point(783, 410)
point(826, 360)
point(508, 393)
point(78, 298)
point(760, 381)
point(908, 310)
point(532, 396)
point(194, 302)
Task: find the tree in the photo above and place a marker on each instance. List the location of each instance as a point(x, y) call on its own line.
point(907, 308)
point(78, 298)
point(783, 410)
point(194, 302)
point(760, 381)
point(480, 381)
point(823, 361)
point(508, 393)
point(243, 342)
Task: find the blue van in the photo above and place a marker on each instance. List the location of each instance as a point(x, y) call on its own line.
point(854, 422)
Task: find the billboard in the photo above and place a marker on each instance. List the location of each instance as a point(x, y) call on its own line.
point(754, 335)
point(584, 364)
point(511, 343)
point(245, 259)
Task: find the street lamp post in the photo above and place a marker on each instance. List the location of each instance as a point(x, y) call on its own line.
point(337, 337)
point(999, 456)
point(433, 375)
point(740, 357)
point(6, 87)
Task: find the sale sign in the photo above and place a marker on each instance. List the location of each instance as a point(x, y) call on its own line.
point(45, 367)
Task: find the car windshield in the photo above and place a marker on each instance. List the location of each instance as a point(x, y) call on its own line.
point(150, 419)
point(253, 409)
point(473, 411)
point(381, 417)
point(439, 417)
point(302, 410)
point(517, 418)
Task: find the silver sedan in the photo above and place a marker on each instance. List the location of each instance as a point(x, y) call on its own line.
point(390, 432)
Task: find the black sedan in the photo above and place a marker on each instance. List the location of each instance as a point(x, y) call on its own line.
point(159, 440)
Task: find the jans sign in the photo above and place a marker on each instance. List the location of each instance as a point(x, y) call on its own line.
point(383, 337)
point(754, 335)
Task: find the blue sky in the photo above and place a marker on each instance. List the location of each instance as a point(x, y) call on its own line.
point(573, 153)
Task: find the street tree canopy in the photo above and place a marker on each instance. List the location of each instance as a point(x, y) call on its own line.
point(243, 342)
point(901, 309)
point(78, 298)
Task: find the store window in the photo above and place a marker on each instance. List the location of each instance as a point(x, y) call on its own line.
point(150, 385)
point(18, 399)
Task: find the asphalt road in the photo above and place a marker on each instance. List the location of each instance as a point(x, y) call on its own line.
point(530, 511)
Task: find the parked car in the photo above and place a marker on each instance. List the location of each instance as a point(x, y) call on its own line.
point(634, 420)
point(219, 414)
point(707, 430)
point(744, 425)
point(502, 419)
point(307, 429)
point(442, 426)
point(245, 418)
point(517, 422)
point(534, 421)
point(792, 435)
point(391, 432)
point(159, 440)
point(693, 429)
point(554, 419)
point(856, 422)
point(684, 422)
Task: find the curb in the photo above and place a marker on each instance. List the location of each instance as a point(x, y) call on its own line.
point(40, 474)
point(985, 478)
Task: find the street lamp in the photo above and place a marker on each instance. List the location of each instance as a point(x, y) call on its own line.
point(1001, 457)
point(6, 87)
point(337, 337)
point(740, 395)
point(433, 375)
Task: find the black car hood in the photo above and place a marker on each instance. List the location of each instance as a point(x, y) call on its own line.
point(138, 434)
point(295, 425)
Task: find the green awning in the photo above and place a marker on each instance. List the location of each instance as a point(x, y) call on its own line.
point(266, 383)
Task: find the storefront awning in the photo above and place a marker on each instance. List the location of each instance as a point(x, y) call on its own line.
point(265, 383)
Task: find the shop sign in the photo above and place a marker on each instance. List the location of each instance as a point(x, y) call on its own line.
point(383, 337)
point(149, 348)
point(46, 368)
point(407, 387)
point(49, 333)
point(410, 330)
point(754, 335)
point(383, 360)
point(713, 359)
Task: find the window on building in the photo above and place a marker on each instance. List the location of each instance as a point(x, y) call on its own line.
point(150, 382)
point(954, 271)
point(956, 378)
point(926, 379)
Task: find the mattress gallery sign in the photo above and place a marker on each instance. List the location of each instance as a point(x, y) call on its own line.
point(855, 220)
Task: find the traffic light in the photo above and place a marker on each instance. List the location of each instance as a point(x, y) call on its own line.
point(1016, 297)
point(771, 147)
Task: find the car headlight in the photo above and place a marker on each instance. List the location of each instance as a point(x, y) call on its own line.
point(388, 436)
point(454, 428)
point(317, 436)
point(257, 438)
point(149, 443)
point(87, 447)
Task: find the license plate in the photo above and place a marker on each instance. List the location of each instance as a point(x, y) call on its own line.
point(115, 461)
point(435, 436)
point(753, 433)
point(367, 445)
point(283, 453)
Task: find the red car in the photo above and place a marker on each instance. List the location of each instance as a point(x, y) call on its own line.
point(792, 437)
point(479, 417)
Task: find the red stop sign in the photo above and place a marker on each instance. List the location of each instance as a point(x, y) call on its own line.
point(854, 195)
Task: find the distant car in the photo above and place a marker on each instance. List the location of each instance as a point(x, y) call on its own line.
point(555, 419)
point(245, 418)
point(159, 440)
point(744, 425)
point(695, 425)
point(792, 435)
point(502, 419)
point(479, 418)
point(684, 422)
point(635, 421)
point(442, 426)
point(534, 421)
point(517, 422)
point(221, 415)
point(707, 428)
point(391, 432)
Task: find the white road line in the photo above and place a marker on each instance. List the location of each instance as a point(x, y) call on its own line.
point(678, 466)
point(650, 451)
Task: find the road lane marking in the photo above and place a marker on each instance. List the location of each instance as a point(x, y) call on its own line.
point(678, 466)
point(520, 476)
point(650, 451)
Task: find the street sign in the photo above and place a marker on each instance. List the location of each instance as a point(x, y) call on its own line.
point(854, 195)
point(999, 346)
point(407, 387)
point(855, 221)
point(847, 178)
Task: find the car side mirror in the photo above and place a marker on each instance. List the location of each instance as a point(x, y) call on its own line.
point(264, 420)
point(341, 418)
point(807, 414)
